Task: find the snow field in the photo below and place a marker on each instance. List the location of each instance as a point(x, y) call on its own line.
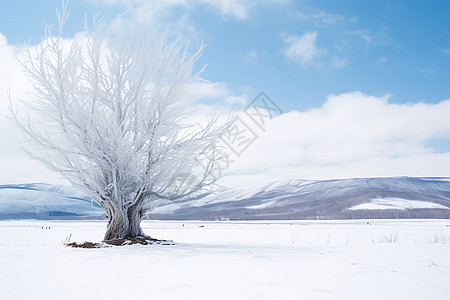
point(364, 259)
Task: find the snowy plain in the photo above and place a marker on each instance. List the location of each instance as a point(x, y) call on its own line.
point(357, 259)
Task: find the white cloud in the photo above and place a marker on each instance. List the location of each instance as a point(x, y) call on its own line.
point(178, 15)
point(444, 50)
point(339, 62)
point(381, 37)
point(251, 56)
point(324, 19)
point(150, 10)
point(429, 70)
point(382, 60)
point(351, 135)
point(15, 166)
point(155, 16)
point(302, 49)
point(216, 91)
point(235, 8)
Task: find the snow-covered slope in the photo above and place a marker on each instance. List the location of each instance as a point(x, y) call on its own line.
point(394, 197)
point(399, 197)
point(42, 201)
point(396, 203)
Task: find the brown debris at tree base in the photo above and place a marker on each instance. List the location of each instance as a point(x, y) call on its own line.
point(86, 245)
point(121, 242)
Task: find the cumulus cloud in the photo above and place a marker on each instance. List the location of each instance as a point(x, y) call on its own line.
point(12, 82)
point(351, 135)
point(302, 49)
point(15, 166)
point(219, 92)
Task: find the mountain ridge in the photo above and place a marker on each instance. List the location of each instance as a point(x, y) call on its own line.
point(318, 199)
point(353, 198)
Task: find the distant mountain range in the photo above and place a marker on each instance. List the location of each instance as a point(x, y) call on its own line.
point(393, 197)
point(44, 201)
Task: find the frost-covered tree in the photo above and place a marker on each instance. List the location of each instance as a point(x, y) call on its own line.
point(109, 113)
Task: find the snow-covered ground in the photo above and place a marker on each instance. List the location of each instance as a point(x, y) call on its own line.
point(370, 259)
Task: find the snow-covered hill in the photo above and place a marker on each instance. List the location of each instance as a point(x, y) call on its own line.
point(394, 197)
point(44, 201)
point(398, 197)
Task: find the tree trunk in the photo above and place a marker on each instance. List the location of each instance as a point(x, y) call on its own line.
point(134, 217)
point(124, 223)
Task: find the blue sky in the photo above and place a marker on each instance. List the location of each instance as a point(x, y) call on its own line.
point(364, 85)
point(401, 48)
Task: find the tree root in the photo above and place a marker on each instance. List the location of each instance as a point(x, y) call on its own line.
point(121, 242)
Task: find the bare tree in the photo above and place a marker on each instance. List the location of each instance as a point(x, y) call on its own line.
point(109, 114)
